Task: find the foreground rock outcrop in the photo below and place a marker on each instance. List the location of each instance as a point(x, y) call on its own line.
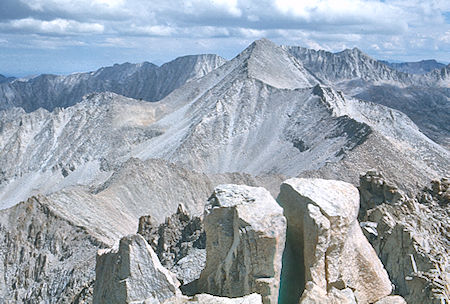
point(374, 191)
point(412, 239)
point(132, 273)
point(245, 237)
point(326, 250)
point(179, 243)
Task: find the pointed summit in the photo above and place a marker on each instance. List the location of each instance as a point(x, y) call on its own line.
point(271, 64)
point(353, 51)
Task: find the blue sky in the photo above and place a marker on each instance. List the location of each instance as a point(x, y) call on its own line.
point(65, 36)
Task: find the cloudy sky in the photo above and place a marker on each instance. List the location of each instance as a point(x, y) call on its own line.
point(64, 36)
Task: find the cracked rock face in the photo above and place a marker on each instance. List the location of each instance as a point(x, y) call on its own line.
point(245, 236)
point(412, 241)
point(326, 243)
point(45, 258)
point(131, 273)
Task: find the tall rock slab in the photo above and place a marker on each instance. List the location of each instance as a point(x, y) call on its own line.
point(325, 246)
point(132, 273)
point(245, 237)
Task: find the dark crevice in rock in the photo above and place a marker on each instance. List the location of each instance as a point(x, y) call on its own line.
point(293, 271)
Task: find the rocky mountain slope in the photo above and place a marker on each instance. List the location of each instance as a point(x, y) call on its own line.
point(410, 235)
point(94, 168)
point(141, 81)
point(259, 113)
point(250, 122)
point(424, 98)
point(419, 67)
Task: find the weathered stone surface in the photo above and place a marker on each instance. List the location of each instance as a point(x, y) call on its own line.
point(325, 238)
point(189, 268)
point(245, 236)
point(412, 242)
point(45, 258)
point(180, 240)
point(313, 294)
point(439, 193)
point(391, 300)
point(374, 191)
point(131, 273)
point(210, 299)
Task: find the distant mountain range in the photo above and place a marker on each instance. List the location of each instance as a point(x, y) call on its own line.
point(419, 67)
point(262, 112)
point(5, 79)
point(141, 81)
point(424, 98)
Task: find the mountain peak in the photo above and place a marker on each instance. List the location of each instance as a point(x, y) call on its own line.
point(271, 64)
point(263, 42)
point(354, 52)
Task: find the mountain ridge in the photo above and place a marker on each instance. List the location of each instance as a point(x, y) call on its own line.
point(416, 67)
point(75, 179)
point(141, 81)
point(424, 98)
point(6, 79)
point(234, 119)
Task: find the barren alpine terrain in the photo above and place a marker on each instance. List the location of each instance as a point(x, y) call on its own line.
point(284, 175)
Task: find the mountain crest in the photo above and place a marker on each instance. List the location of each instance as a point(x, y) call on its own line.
point(271, 64)
point(333, 100)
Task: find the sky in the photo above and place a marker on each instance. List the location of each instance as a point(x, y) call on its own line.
point(66, 36)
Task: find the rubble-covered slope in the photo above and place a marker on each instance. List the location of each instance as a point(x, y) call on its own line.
point(45, 151)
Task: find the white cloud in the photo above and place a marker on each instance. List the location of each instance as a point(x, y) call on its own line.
point(389, 27)
point(57, 26)
point(445, 38)
point(150, 30)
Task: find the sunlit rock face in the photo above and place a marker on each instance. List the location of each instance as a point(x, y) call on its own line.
point(245, 236)
point(325, 241)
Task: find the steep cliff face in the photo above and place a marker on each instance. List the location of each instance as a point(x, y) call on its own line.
point(442, 76)
point(141, 81)
point(45, 257)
